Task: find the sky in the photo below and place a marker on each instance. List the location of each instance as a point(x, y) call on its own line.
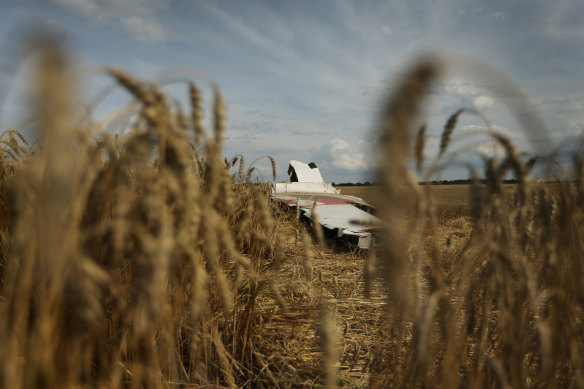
point(304, 80)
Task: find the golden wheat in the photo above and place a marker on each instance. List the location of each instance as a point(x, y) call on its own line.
point(140, 261)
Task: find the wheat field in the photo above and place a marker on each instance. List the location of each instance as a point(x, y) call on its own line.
point(154, 261)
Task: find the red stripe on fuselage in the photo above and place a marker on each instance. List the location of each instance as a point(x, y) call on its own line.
point(327, 200)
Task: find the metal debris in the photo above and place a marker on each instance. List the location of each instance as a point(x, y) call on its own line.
point(342, 216)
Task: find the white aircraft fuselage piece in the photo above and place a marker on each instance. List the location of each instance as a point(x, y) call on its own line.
point(341, 215)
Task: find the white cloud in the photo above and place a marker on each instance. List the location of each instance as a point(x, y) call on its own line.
point(431, 146)
point(466, 89)
point(248, 32)
point(490, 149)
point(144, 29)
point(344, 156)
point(486, 146)
point(467, 94)
point(138, 17)
point(307, 66)
point(478, 129)
point(83, 7)
point(483, 101)
point(570, 102)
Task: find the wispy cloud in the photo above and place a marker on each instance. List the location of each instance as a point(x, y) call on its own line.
point(482, 102)
point(137, 17)
point(304, 79)
point(565, 19)
point(346, 157)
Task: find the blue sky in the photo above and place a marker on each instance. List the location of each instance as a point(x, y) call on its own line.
point(304, 79)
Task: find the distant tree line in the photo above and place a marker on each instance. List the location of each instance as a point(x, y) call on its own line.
point(464, 181)
point(366, 183)
point(434, 182)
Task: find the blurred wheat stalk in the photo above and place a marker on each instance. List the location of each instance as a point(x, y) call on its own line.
point(126, 261)
point(504, 307)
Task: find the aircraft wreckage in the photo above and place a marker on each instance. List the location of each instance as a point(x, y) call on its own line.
point(346, 217)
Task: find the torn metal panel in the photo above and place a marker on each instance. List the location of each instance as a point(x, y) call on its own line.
point(337, 213)
point(302, 172)
point(342, 215)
